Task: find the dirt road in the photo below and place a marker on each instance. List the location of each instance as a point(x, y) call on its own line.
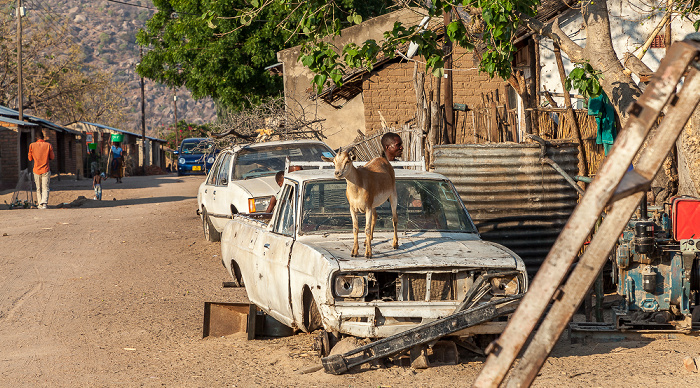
point(112, 293)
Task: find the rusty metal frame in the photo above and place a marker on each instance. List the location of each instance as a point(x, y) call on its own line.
point(613, 183)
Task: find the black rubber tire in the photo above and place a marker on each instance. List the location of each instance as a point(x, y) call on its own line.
point(210, 233)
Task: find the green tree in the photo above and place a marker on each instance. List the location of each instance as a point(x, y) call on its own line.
point(487, 26)
point(56, 83)
point(219, 49)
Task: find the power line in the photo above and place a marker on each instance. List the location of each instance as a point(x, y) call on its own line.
point(133, 5)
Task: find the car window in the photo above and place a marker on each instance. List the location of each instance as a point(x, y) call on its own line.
point(264, 161)
point(214, 173)
point(285, 215)
point(422, 205)
point(196, 147)
point(222, 176)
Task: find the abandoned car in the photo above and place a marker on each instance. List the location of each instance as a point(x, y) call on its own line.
point(298, 267)
point(242, 179)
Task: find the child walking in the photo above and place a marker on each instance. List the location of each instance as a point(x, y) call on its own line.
point(97, 185)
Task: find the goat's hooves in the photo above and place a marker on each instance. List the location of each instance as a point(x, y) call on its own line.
point(396, 246)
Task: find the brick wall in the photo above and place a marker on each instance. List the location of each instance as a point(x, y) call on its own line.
point(390, 90)
point(9, 168)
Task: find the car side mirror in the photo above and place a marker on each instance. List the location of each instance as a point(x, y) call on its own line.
point(224, 181)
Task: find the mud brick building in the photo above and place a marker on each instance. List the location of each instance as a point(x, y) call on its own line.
point(15, 137)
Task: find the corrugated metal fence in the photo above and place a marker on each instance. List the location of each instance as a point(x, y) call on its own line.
point(514, 199)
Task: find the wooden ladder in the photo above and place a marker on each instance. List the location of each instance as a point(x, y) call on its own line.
point(616, 185)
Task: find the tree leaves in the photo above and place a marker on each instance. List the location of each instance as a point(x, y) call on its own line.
point(585, 79)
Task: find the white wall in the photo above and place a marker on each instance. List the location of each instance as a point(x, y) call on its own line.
point(630, 26)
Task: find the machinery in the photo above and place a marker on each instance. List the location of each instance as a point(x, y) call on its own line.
point(657, 267)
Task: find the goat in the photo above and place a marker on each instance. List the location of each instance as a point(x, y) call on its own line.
point(367, 187)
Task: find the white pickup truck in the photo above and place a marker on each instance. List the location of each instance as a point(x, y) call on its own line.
point(298, 269)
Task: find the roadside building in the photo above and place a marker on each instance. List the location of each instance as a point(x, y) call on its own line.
point(15, 136)
point(100, 135)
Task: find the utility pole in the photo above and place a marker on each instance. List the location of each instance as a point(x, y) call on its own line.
point(20, 11)
point(143, 119)
point(177, 141)
point(450, 133)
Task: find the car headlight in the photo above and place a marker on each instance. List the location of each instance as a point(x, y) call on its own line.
point(508, 285)
point(210, 160)
point(350, 286)
point(258, 204)
point(181, 160)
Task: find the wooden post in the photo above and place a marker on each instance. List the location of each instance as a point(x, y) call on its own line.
point(583, 159)
point(450, 132)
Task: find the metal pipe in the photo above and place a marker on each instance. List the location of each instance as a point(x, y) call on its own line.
point(563, 173)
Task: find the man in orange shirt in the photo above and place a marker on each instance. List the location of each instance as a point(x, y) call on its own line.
point(41, 152)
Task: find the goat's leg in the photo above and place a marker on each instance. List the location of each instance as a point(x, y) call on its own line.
point(374, 223)
point(355, 230)
point(394, 218)
point(369, 226)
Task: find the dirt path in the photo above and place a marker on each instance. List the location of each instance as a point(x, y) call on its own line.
point(112, 293)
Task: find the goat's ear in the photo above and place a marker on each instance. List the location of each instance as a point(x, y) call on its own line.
point(326, 159)
point(338, 150)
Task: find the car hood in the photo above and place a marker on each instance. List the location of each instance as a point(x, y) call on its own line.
point(417, 250)
point(259, 187)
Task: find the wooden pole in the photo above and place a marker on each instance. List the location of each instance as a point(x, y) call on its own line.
point(583, 159)
point(449, 112)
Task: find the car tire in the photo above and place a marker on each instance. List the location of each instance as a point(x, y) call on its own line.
point(312, 317)
point(210, 233)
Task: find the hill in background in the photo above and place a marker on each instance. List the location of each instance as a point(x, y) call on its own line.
point(106, 30)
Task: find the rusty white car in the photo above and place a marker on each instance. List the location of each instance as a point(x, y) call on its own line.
point(242, 179)
point(297, 267)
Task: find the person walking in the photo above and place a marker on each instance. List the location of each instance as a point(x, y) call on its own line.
point(117, 161)
point(97, 185)
point(41, 152)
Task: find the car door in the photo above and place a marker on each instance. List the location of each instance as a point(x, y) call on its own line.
point(274, 255)
point(219, 206)
point(209, 186)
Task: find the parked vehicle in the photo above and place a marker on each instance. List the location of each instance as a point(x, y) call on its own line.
point(298, 267)
point(242, 179)
point(195, 156)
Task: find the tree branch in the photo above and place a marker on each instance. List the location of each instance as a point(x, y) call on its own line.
point(552, 31)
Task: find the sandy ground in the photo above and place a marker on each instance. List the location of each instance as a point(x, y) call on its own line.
point(112, 293)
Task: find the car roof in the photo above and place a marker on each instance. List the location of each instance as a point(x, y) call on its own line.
point(279, 142)
point(315, 174)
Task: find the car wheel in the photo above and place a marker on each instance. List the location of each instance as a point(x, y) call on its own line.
point(210, 233)
point(312, 317)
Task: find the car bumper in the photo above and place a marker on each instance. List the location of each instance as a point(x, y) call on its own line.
point(192, 169)
point(379, 320)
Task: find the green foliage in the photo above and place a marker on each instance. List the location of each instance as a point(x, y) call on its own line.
point(184, 130)
point(501, 19)
point(585, 79)
point(219, 48)
point(104, 38)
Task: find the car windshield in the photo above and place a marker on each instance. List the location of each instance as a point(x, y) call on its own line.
point(262, 161)
point(196, 147)
point(422, 205)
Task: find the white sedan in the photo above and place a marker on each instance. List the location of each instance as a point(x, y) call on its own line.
point(242, 179)
point(298, 269)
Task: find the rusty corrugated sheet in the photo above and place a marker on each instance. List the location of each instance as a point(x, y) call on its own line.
point(513, 198)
